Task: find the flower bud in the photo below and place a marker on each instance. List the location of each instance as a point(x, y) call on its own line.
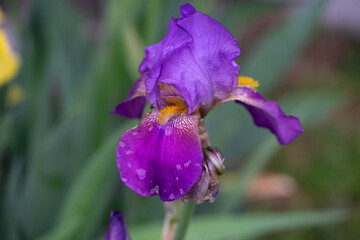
point(207, 187)
point(214, 157)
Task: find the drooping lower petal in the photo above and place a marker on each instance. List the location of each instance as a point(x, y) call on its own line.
point(117, 227)
point(133, 105)
point(267, 114)
point(162, 155)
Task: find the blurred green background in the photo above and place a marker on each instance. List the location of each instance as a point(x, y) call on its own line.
point(58, 175)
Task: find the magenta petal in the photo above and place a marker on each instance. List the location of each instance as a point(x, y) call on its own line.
point(268, 114)
point(133, 105)
point(164, 160)
point(117, 228)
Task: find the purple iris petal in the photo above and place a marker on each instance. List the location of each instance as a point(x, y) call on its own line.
point(196, 56)
point(187, 10)
point(268, 114)
point(214, 49)
point(117, 227)
point(175, 38)
point(133, 105)
point(161, 159)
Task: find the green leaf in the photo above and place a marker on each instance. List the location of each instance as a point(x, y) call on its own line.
point(152, 19)
point(246, 226)
point(255, 225)
point(90, 188)
point(278, 49)
point(254, 164)
point(5, 130)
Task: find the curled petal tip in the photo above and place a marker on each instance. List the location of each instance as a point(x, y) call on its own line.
point(187, 10)
point(132, 108)
point(134, 104)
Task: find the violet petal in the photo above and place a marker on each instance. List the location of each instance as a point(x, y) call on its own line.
point(117, 227)
point(133, 105)
point(268, 114)
point(199, 63)
point(164, 160)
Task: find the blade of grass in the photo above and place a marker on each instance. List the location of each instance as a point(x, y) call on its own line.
point(88, 190)
point(278, 49)
point(246, 226)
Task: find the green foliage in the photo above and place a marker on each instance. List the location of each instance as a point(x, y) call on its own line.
point(246, 226)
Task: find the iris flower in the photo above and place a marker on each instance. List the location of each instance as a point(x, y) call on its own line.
point(184, 76)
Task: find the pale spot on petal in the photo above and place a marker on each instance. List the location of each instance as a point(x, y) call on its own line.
point(168, 131)
point(141, 173)
point(178, 167)
point(187, 164)
point(122, 144)
point(155, 190)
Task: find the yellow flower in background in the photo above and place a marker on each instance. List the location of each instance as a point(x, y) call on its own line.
point(9, 62)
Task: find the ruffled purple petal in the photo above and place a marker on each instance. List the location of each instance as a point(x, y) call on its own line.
point(196, 57)
point(174, 39)
point(214, 48)
point(164, 160)
point(267, 114)
point(182, 71)
point(117, 227)
point(133, 105)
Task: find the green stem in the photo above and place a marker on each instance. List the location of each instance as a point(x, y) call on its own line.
point(186, 213)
